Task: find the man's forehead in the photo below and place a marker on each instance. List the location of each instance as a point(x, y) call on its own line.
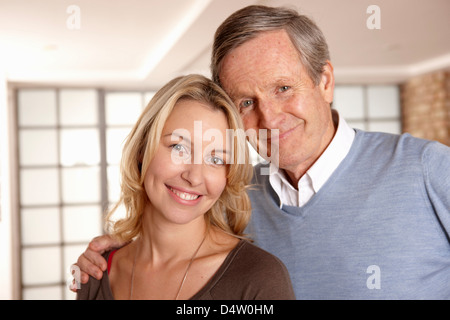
point(266, 60)
point(249, 86)
point(241, 81)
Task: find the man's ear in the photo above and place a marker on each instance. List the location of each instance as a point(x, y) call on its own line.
point(326, 84)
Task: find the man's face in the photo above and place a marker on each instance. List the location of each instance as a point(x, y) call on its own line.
point(272, 90)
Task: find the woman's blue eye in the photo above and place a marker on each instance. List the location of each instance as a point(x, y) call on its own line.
point(216, 161)
point(177, 147)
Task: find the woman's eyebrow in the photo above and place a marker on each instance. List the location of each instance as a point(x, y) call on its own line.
point(227, 152)
point(176, 134)
point(188, 140)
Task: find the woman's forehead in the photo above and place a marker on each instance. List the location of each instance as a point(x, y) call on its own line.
point(186, 113)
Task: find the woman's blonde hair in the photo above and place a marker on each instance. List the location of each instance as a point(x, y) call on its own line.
point(231, 212)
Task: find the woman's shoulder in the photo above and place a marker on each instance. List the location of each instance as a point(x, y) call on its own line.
point(257, 259)
point(254, 273)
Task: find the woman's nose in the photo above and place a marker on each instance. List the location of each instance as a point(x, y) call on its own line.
point(193, 173)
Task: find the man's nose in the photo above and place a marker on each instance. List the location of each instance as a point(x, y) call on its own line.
point(270, 114)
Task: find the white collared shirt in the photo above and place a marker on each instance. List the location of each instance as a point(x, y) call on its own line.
point(316, 176)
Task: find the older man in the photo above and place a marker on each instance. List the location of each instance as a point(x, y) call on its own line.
point(352, 214)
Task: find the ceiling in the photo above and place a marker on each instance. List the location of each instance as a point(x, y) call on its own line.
point(145, 43)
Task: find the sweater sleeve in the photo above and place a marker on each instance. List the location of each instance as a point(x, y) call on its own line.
point(436, 170)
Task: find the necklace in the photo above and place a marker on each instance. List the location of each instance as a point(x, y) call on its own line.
point(185, 273)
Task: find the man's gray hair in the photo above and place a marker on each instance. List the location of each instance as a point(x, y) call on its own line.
point(245, 24)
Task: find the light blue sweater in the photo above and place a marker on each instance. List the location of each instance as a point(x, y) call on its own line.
point(378, 229)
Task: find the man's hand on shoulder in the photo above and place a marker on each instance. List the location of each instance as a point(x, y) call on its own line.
point(91, 262)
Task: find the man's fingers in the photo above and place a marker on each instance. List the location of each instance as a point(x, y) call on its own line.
point(104, 243)
point(91, 263)
point(79, 277)
point(84, 277)
point(73, 286)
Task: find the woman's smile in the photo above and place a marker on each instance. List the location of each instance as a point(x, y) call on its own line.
point(183, 195)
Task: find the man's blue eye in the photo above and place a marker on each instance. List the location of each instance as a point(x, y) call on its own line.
point(284, 88)
point(246, 103)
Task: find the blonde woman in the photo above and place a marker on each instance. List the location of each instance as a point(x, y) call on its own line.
point(184, 173)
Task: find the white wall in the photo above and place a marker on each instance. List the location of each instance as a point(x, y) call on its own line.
point(6, 245)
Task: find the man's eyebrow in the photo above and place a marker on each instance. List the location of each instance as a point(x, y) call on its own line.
point(237, 95)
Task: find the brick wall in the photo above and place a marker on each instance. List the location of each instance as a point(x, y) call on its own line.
point(425, 104)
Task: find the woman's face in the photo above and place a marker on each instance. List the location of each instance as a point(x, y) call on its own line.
point(188, 172)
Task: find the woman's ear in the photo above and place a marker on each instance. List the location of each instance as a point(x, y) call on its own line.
point(326, 84)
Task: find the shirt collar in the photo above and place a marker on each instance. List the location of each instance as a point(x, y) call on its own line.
point(324, 167)
point(333, 155)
